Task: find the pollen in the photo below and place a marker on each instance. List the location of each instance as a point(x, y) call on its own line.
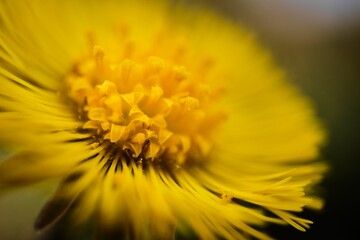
point(153, 110)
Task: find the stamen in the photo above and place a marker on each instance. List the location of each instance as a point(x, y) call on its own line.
point(190, 103)
point(152, 110)
point(98, 53)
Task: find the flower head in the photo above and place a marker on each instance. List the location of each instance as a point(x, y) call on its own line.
point(154, 118)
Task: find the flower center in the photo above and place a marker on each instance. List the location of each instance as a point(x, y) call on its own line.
point(152, 110)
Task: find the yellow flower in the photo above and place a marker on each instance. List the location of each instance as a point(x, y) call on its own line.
point(154, 117)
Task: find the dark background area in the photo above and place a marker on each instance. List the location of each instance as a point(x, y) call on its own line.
point(318, 44)
point(329, 73)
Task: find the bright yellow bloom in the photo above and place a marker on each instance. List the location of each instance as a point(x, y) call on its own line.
point(153, 117)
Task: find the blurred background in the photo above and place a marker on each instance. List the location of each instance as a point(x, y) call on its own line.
point(318, 43)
